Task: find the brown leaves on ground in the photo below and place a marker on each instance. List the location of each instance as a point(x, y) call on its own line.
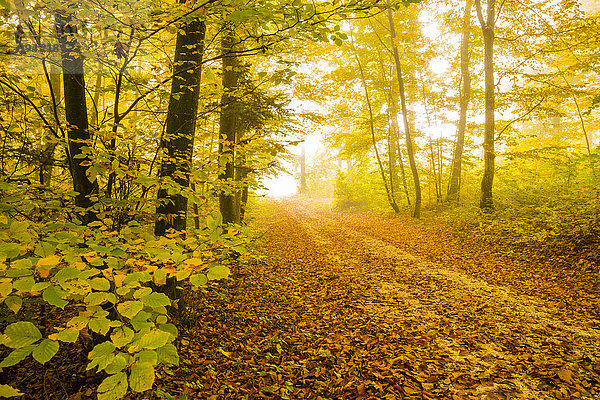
point(352, 306)
point(361, 307)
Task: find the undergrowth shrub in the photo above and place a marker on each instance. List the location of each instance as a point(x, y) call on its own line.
point(102, 281)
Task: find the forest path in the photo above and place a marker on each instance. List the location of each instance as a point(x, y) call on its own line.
point(344, 309)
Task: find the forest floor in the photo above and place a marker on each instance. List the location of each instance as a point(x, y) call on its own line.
point(355, 306)
point(358, 306)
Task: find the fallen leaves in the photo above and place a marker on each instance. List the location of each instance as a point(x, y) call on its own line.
point(359, 307)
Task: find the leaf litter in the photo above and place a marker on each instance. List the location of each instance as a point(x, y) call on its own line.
point(355, 306)
point(340, 306)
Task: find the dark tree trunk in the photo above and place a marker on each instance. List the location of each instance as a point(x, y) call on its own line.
point(489, 155)
point(241, 194)
point(228, 127)
point(78, 134)
point(408, 136)
point(178, 142)
point(465, 95)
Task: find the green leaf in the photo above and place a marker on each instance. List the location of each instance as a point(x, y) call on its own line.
point(118, 364)
point(147, 356)
point(122, 336)
point(198, 280)
point(16, 356)
point(66, 274)
point(156, 299)
point(141, 377)
point(96, 298)
point(45, 351)
point(141, 292)
point(172, 329)
point(14, 303)
point(22, 263)
point(101, 355)
point(10, 250)
point(218, 272)
point(79, 322)
point(18, 272)
point(100, 325)
point(22, 334)
point(68, 335)
point(140, 321)
point(24, 284)
point(137, 277)
point(5, 390)
point(167, 354)
point(129, 309)
point(38, 287)
point(160, 275)
point(44, 249)
point(100, 284)
point(113, 388)
point(5, 289)
point(152, 340)
point(54, 296)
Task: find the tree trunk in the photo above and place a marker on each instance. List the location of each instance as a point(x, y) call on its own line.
point(228, 127)
point(465, 95)
point(241, 194)
point(408, 136)
point(78, 134)
point(372, 126)
point(47, 156)
point(489, 156)
point(178, 142)
point(303, 170)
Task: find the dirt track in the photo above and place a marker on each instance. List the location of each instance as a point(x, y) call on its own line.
point(454, 334)
point(347, 306)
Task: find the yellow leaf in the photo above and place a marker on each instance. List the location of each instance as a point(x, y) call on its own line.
point(225, 353)
point(80, 265)
point(49, 261)
point(194, 261)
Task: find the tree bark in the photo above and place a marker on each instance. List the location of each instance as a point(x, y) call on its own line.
point(78, 134)
point(372, 126)
point(465, 95)
point(178, 142)
point(489, 155)
point(409, 143)
point(47, 154)
point(228, 127)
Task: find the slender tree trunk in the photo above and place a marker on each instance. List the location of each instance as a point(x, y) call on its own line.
point(78, 134)
point(489, 155)
point(465, 95)
point(303, 170)
point(372, 126)
point(178, 141)
point(391, 163)
point(47, 158)
point(401, 165)
point(228, 126)
point(434, 172)
point(409, 142)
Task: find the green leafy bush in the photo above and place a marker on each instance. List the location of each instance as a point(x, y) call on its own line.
point(103, 281)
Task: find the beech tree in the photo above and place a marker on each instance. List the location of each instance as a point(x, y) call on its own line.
point(465, 95)
point(178, 140)
point(489, 156)
point(407, 131)
point(78, 134)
